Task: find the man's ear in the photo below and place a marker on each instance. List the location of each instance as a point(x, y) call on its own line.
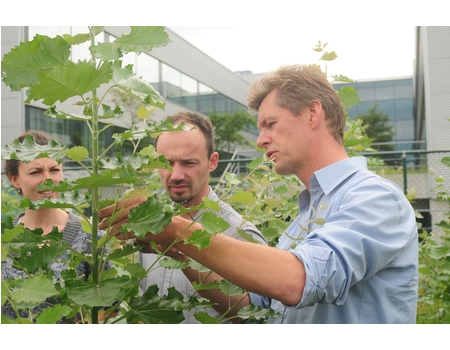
point(315, 112)
point(213, 161)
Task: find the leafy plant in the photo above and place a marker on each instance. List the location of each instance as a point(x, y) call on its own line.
point(42, 67)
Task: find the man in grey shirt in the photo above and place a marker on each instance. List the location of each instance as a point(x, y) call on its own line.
point(192, 158)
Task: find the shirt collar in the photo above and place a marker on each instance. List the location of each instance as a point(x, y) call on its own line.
point(330, 177)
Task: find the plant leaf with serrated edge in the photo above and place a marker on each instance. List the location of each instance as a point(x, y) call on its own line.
point(34, 291)
point(133, 85)
point(170, 263)
point(229, 288)
point(68, 200)
point(53, 314)
point(105, 178)
point(82, 37)
point(37, 251)
point(102, 294)
point(136, 270)
point(210, 204)
point(205, 286)
point(134, 161)
point(349, 97)
point(213, 223)
point(199, 239)
point(29, 150)
point(54, 112)
point(20, 67)
point(256, 313)
point(69, 80)
point(149, 216)
point(142, 39)
point(151, 308)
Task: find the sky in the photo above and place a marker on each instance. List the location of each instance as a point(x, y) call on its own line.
point(363, 52)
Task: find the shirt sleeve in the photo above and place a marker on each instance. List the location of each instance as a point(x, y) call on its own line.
point(364, 232)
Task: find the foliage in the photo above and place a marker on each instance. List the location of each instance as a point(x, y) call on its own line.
point(228, 127)
point(377, 127)
point(42, 67)
point(434, 267)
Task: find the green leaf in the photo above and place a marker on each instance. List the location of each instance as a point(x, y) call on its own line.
point(197, 266)
point(29, 150)
point(242, 196)
point(68, 200)
point(255, 312)
point(77, 153)
point(134, 161)
point(348, 96)
point(170, 263)
point(149, 216)
point(38, 251)
point(229, 288)
point(213, 223)
point(142, 39)
point(126, 250)
point(136, 270)
point(69, 80)
point(328, 56)
point(53, 314)
point(20, 67)
point(133, 85)
point(81, 38)
point(210, 204)
point(34, 291)
point(53, 113)
point(103, 294)
point(105, 178)
point(152, 309)
point(205, 318)
point(198, 238)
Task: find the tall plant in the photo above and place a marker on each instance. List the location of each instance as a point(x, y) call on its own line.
point(43, 67)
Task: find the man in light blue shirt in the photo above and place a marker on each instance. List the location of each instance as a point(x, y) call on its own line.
point(361, 264)
point(351, 256)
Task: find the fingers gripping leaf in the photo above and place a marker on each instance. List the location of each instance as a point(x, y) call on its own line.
point(150, 216)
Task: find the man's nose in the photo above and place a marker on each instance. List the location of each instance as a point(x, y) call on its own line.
point(177, 172)
point(262, 140)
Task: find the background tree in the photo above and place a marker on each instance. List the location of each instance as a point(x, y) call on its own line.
point(228, 127)
point(377, 127)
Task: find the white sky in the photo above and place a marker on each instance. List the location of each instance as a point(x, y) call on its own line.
point(365, 52)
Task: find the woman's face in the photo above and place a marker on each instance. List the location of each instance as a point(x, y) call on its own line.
point(32, 174)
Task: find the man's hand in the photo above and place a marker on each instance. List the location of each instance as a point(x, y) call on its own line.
point(123, 208)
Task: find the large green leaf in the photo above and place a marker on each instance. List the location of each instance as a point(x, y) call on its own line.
point(34, 291)
point(153, 309)
point(29, 150)
point(348, 96)
point(20, 67)
point(37, 251)
point(150, 216)
point(229, 288)
point(53, 314)
point(213, 223)
point(205, 318)
point(142, 39)
point(133, 85)
point(256, 313)
point(102, 294)
point(69, 80)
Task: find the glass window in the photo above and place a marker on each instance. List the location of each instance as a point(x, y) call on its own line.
point(404, 109)
point(403, 89)
point(384, 90)
point(404, 130)
point(171, 79)
point(147, 67)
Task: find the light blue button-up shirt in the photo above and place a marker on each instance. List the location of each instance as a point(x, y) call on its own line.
point(356, 235)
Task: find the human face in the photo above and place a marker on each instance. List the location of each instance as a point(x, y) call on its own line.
point(283, 135)
point(186, 152)
point(32, 174)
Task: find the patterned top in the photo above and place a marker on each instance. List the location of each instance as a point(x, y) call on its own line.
point(77, 239)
